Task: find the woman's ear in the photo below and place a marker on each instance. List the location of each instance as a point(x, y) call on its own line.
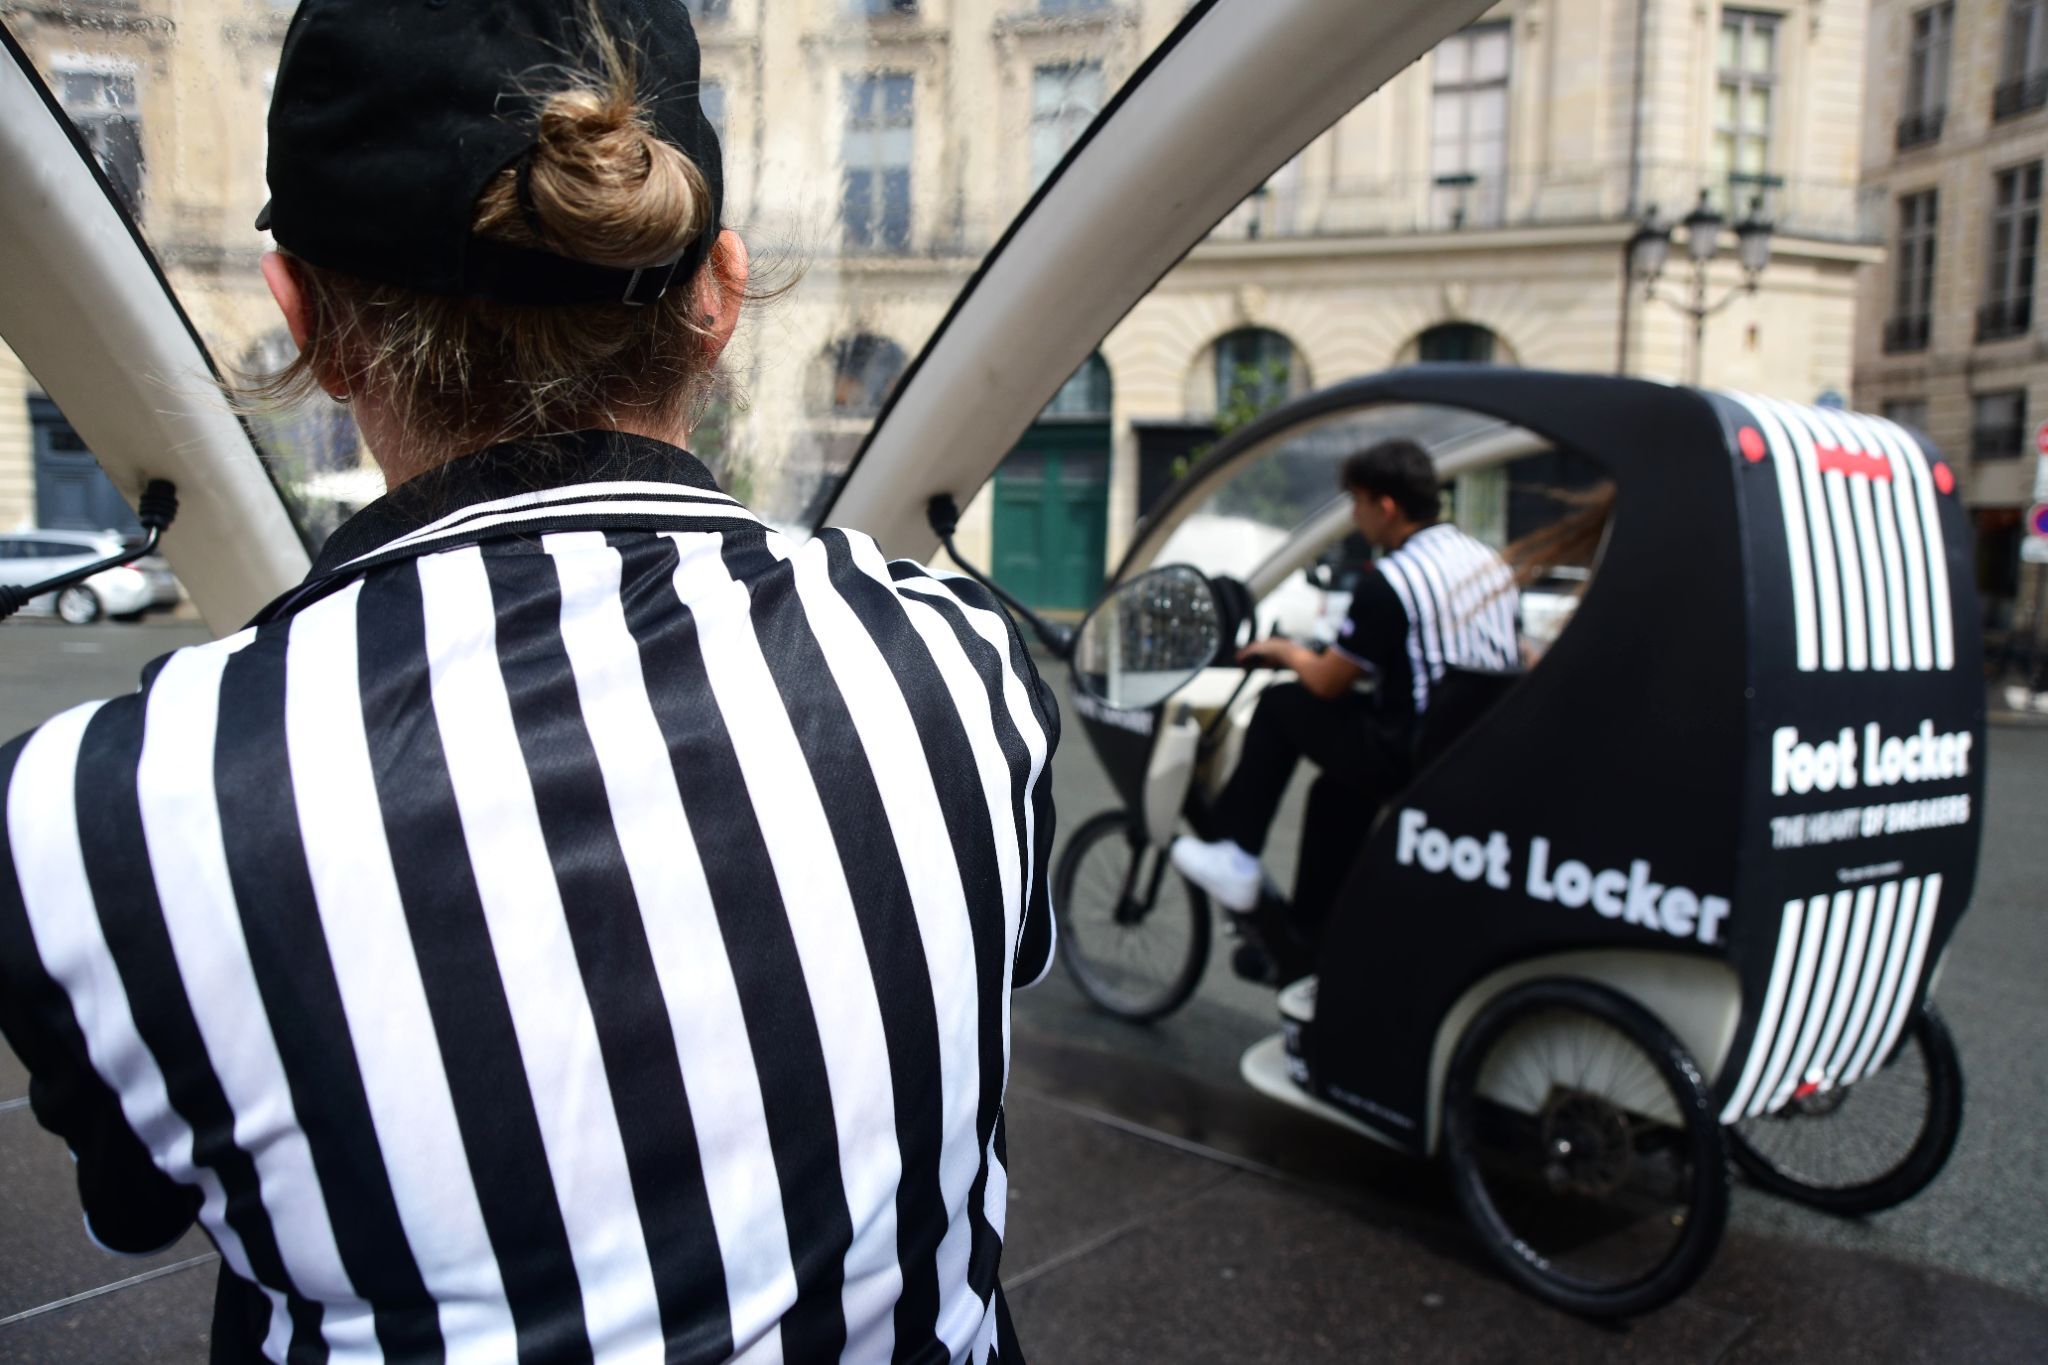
point(283, 280)
point(291, 300)
point(723, 292)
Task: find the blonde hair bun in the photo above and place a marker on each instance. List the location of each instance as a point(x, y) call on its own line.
point(605, 188)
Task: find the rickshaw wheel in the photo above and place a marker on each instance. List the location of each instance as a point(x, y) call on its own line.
point(1139, 956)
point(1860, 1148)
point(1584, 1148)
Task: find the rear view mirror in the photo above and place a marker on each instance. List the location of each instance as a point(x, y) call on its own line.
point(1148, 639)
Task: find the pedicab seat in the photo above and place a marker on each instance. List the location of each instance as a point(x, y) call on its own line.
point(1456, 700)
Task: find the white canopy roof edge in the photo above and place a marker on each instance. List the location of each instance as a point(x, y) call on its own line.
point(91, 320)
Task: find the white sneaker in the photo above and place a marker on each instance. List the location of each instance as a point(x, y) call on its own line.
point(1222, 869)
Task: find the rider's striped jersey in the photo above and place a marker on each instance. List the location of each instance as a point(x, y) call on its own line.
point(1441, 600)
point(577, 925)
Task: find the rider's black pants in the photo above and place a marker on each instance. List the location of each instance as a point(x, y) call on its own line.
point(1363, 763)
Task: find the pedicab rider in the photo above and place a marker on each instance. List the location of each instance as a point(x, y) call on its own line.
point(1437, 599)
point(576, 922)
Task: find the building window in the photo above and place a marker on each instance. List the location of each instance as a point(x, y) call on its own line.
point(1255, 370)
point(1072, 6)
point(875, 193)
point(1455, 341)
point(708, 9)
point(865, 369)
point(879, 8)
point(1469, 127)
point(711, 99)
point(1064, 100)
point(2023, 82)
point(1907, 412)
point(1912, 274)
point(1744, 92)
point(99, 99)
point(1086, 394)
point(1998, 424)
point(2008, 309)
point(1927, 76)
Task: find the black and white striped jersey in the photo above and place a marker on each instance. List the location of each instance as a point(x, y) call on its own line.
point(576, 926)
point(1442, 600)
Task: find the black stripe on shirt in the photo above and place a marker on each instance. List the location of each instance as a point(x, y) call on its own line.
point(603, 914)
point(1034, 837)
point(782, 1029)
point(273, 889)
point(130, 1205)
point(115, 850)
point(458, 970)
point(888, 925)
point(943, 735)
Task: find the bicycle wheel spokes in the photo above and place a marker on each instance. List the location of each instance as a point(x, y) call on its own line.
point(1846, 1137)
point(1134, 936)
point(1576, 1147)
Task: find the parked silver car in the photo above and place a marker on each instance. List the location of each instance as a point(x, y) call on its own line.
point(124, 593)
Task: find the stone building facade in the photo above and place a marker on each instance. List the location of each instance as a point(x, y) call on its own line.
point(1955, 136)
point(1478, 206)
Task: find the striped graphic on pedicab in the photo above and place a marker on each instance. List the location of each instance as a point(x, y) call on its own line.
point(1844, 980)
point(1868, 561)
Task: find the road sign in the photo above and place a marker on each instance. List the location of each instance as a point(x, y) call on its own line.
point(2041, 478)
point(1831, 398)
point(2034, 546)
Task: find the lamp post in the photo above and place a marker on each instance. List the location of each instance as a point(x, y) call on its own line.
point(1650, 248)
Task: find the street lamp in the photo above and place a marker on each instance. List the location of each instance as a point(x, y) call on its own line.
point(1650, 248)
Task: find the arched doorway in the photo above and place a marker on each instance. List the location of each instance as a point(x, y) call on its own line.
point(1051, 514)
point(1457, 341)
point(1255, 368)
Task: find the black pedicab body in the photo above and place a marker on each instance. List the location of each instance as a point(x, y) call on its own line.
point(1716, 841)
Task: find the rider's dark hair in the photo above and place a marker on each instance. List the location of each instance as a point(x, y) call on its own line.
point(1397, 469)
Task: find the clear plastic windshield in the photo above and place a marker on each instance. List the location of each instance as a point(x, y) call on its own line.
point(1280, 487)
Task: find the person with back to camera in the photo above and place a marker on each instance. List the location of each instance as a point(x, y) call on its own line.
point(576, 923)
point(1437, 599)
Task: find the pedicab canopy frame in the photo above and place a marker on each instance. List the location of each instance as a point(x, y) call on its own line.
point(1744, 786)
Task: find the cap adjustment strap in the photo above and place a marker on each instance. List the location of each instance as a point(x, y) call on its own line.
point(649, 282)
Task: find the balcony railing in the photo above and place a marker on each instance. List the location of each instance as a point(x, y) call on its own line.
point(1996, 443)
point(1556, 196)
point(1919, 129)
point(2003, 318)
point(2021, 96)
point(1905, 334)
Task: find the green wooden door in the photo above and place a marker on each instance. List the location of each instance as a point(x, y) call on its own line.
point(1051, 514)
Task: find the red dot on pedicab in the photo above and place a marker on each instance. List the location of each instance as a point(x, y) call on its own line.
point(1752, 442)
point(1944, 477)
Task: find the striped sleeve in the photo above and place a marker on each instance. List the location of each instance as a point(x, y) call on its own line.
point(1032, 707)
point(131, 1207)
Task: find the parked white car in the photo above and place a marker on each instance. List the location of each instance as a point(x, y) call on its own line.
point(124, 593)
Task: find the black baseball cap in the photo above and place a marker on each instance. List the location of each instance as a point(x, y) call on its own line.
point(390, 117)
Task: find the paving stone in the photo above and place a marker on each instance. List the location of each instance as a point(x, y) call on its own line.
point(164, 1322)
point(1072, 1180)
point(44, 1252)
point(1254, 1270)
point(13, 1075)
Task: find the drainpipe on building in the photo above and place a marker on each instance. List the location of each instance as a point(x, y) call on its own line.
point(1635, 179)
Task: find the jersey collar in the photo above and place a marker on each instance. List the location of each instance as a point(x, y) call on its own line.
point(551, 469)
point(582, 480)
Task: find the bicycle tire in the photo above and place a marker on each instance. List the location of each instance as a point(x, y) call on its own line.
point(1696, 1140)
point(1933, 1143)
point(1138, 995)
